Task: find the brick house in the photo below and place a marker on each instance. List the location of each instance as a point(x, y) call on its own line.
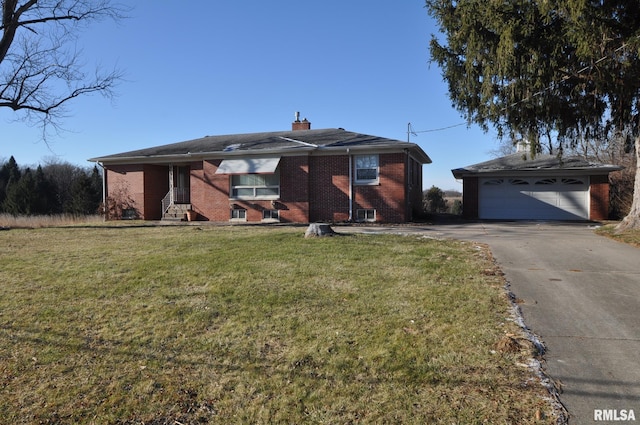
point(296, 176)
point(545, 187)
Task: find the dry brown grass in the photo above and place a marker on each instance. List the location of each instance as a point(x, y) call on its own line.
point(9, 221)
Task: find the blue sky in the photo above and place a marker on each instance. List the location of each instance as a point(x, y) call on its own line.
point(242, 66)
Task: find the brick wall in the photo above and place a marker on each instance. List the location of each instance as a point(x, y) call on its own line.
point(329, 189)
point(125, 189)
point(599, 198)
point(388, 197)
point(415, 208)
point(294, 190)
point(156, 186)
point(312, 188)
point(470, 198)
point(210, 193)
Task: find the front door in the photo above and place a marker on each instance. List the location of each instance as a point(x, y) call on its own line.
point(181, 185)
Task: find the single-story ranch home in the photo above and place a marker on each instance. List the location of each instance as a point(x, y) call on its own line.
point(544, 187)
point(296, 176)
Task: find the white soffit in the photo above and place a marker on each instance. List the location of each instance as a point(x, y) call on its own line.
point(248, 166)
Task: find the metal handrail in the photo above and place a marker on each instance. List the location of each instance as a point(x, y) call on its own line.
point(166, 202)
point(181, 195)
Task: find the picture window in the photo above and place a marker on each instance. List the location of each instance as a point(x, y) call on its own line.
point(255, 186)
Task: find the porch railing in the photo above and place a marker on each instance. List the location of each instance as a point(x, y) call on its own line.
point(181, 195)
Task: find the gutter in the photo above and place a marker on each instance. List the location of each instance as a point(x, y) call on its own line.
point(155, 159)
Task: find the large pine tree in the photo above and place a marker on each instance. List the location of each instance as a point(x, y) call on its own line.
point(562, 70)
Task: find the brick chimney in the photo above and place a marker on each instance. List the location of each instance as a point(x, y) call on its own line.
point(300, 125)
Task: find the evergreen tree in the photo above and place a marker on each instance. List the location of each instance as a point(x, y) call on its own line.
point(44, 195)
point(434, 200)
point(21, 195)
point(560, 70)
point(10, 172)
point(85, 199)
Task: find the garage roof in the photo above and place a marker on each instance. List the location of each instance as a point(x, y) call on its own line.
point(523, 163)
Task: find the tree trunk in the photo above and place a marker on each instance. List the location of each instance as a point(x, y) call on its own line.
point(632, 220)
point(318, 229)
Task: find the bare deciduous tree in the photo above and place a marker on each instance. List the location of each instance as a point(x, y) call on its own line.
point(40, 67)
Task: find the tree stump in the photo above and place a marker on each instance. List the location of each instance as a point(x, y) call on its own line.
point(318, 230)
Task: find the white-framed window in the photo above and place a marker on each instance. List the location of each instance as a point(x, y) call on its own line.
point(239, 214)
point(368, 214)
point(255, 186)
point(271, 215)
point(366, 169)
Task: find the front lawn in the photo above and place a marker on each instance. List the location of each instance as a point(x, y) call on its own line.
point(236, 325)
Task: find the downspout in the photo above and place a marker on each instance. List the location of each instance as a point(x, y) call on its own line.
point(171, 194)
point(104, 189)
point(350, 186)
point(408, 192)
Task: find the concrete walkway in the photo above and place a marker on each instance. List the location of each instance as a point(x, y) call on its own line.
point(581, 296)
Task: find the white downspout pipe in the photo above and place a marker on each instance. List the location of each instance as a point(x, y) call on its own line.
point(350, 185)
point(104, 189)
point(171, 194)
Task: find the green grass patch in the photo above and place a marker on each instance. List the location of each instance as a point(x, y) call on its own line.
point(236, 325)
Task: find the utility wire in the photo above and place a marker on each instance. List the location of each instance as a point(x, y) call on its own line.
point(411, 131)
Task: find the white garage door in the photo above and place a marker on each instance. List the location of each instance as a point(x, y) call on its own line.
point(543, 198)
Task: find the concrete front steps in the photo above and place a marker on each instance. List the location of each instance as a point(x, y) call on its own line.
point(176, 212)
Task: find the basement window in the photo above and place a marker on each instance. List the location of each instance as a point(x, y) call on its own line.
point(366, 215)
point(238, 214)
point(270, 215)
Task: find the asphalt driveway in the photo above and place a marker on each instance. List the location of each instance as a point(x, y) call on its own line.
point(580, 294)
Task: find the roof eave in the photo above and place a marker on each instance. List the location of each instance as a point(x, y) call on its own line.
point(415, 150)
point(195, 156)
point(461, 173)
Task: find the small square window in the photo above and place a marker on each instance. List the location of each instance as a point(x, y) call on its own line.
point(239, 214)
point(271, 215)
point(366, 215)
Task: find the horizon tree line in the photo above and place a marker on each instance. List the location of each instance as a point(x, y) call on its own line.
point(49, 189)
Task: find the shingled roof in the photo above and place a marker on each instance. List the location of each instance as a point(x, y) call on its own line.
point(278, 142)
point(523, 163)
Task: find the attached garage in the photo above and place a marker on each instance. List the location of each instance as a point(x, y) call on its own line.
point(518, 187)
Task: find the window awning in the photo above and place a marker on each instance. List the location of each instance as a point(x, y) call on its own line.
point(248, 166)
